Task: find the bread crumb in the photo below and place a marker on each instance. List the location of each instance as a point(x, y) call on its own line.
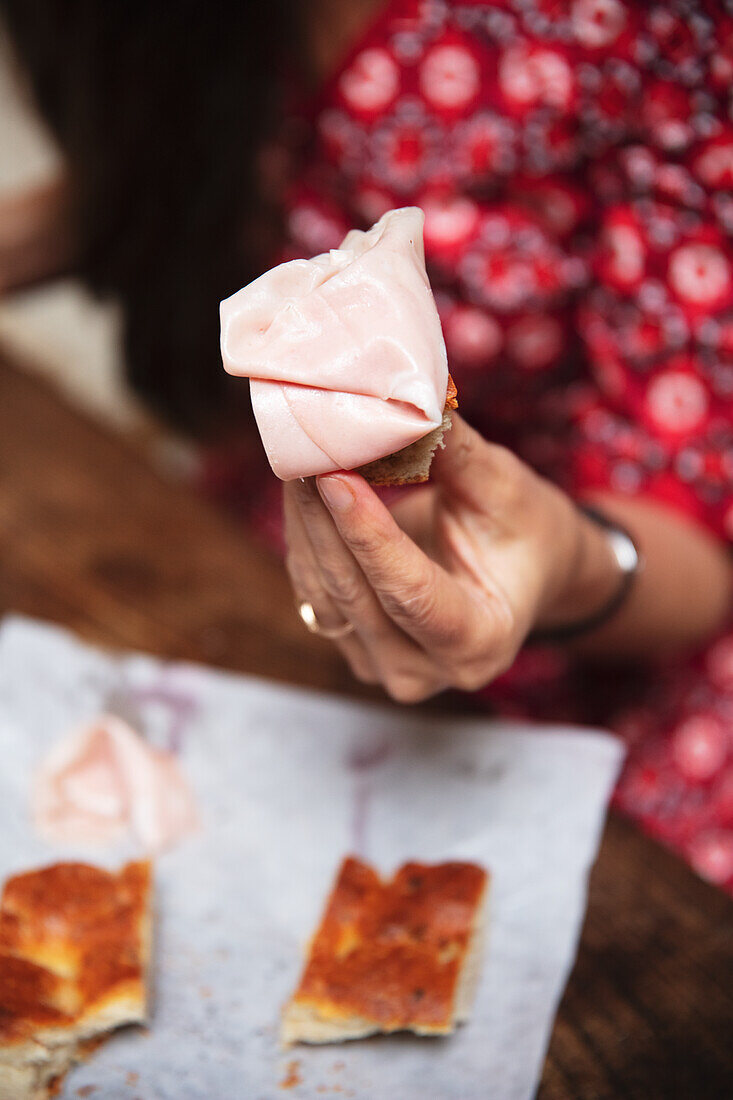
point(292, 1076)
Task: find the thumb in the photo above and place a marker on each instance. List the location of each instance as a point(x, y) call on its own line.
point(468, 466)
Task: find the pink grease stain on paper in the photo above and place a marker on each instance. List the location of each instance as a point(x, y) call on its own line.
point(362, 760)
point(181, 706)
point(103, 782)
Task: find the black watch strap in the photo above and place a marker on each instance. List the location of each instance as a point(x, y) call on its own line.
point(629, 561)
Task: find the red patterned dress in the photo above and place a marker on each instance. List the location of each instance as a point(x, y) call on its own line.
point(574, 159)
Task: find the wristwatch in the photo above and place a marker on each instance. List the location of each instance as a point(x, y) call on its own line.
point(629, 562)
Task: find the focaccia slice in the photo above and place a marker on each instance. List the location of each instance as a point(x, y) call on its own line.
point(391, 955)
point(75, 946)
point(411, 465)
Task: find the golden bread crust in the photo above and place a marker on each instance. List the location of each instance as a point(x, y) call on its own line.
point(388, 955)
point(74, 955)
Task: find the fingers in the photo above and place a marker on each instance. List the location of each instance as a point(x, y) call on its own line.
point(339, 583)
point(483, 475)
point(414, 592)
point(302, 566)
point(307, 585)
point(414, 513)
point(423, 626)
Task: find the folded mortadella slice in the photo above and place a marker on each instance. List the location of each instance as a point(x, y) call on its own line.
point(344, 352)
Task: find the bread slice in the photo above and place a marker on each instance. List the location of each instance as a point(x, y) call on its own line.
point(411, 465)
point(402, 954)
point(75, 947)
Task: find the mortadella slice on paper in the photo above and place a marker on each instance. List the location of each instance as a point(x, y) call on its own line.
point(103, 781)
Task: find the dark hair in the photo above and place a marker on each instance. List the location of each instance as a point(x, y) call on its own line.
point(159, 107)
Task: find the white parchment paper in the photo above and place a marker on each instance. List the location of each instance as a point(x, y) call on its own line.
point(288, 782)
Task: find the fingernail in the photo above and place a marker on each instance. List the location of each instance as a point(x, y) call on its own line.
point(336, 492)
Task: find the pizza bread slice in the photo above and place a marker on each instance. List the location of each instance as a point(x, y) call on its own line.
point(395, 955)
point(75, 947)
point(34, 1021)
point(411, 465)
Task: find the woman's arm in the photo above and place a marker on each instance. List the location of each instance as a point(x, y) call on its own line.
point(680, 597)
point(496, 552)
point(36, 240)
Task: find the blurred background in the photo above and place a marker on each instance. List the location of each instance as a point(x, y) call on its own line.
point(575, 164)
point(124, 181)
point(59, 329)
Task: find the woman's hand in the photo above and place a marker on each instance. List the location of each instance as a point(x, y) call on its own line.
point(443, 592)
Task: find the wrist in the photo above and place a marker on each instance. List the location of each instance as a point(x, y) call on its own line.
point(586, 580)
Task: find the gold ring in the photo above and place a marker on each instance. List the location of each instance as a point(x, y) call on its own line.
point(309, 617)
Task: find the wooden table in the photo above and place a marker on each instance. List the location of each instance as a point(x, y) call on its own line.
point(93, 538)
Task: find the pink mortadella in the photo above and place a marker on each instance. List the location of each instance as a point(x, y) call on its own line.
point(344, 352)
point(104, 782)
